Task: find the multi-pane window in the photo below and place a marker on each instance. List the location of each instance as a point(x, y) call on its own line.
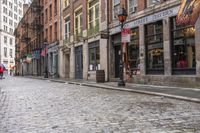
point(15, 16)
point(11, 41)
point(116, 7)
point(133, 6)
point(55, 7)
point(10, 5)
point(5, 28)
point(47, 34)
point(10, 13)
point(15, 8)
point(67, 29)
point(55, 31)
point(94, 16)
point(5, 52)
point(11, 53)
point(5, 2)
point(50, 34)
point(10, 22)
point(15, 24)
point(5, 10)
point(154, 48)
point(5, 19)
point(183, 48)
point(78, 22)
point(20, 12)
point(50, 11)
point(5, 39)
point(133, 51)
point(46, 16)
point(66, 3)
point(11, 31)
point(15, 1)
point(94, 58)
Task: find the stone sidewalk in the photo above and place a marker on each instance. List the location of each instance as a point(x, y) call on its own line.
point(188, 94)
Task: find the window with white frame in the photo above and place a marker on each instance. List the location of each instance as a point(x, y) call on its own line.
point(67, 29)
point(133, 6)
point(78, 22)
point(151, 2)
point(116, 7)
point(5, 39)
point(11, 41)
point(11, 53)
point(93, 22)
point(5, 52)
point(5, 10)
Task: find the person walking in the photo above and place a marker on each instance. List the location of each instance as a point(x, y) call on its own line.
point(1, 72)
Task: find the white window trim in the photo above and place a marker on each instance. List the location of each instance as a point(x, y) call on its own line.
point(135, 6)
point(94, 14)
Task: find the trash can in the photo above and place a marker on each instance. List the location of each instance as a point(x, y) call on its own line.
point(100, 76)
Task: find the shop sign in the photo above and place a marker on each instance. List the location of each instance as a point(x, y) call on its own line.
point(126, 35)
point(148, 19)
point(188, 12)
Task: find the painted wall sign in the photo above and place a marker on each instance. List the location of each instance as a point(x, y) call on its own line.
point(188, 12)
point(148, 19)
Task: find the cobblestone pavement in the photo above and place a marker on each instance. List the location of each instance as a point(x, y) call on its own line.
point(38, 106)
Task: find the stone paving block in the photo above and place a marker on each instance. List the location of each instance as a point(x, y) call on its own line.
point(39, 106)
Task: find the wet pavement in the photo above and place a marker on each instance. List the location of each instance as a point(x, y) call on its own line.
point(40, 106)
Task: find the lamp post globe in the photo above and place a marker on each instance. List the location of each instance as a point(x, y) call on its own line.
point(122, 18)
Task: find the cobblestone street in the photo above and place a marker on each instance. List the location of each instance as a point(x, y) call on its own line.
point(40, 106)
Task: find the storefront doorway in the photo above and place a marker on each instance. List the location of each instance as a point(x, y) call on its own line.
point(79, 62)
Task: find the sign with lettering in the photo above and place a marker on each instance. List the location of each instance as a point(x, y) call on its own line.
point(126, 35)
point(148, 19)
point(188, 12)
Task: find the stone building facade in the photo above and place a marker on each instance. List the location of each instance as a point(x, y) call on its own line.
point(161, 51)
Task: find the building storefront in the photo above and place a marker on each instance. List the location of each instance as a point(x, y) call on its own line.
point(52, 57)
point(161, 51)
point(183, 48)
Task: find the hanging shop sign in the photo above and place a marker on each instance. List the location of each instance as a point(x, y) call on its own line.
point(188, 12)
point(29, 58)
point(126, 35)
point(148, 19)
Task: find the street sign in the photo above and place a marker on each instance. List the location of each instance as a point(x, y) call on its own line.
point(126, 35)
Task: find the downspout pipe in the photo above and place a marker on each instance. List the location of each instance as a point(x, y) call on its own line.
point(108, 41)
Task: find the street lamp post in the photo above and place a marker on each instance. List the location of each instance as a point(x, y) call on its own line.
point(122, 18)
point(46, 60)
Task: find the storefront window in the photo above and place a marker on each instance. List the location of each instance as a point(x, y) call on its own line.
point(133, 51)
point(183, 48)
point(94, 57)
point(154, 48)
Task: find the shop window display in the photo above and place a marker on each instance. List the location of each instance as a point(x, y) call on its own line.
point(154, 48)
point(133, 52)
point(94, 57)
point(183, 48)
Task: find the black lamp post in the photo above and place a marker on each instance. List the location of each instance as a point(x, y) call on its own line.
point(46, 60)
point(122, 18)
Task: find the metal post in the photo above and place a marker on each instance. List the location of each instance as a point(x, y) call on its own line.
point(121, 65)
point(46, 64)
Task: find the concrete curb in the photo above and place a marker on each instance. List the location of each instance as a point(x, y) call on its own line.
point(125, 89)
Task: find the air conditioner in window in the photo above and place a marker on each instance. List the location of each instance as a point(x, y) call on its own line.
point(132, 9)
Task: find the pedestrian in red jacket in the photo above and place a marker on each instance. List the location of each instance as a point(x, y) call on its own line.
point(1, 72)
